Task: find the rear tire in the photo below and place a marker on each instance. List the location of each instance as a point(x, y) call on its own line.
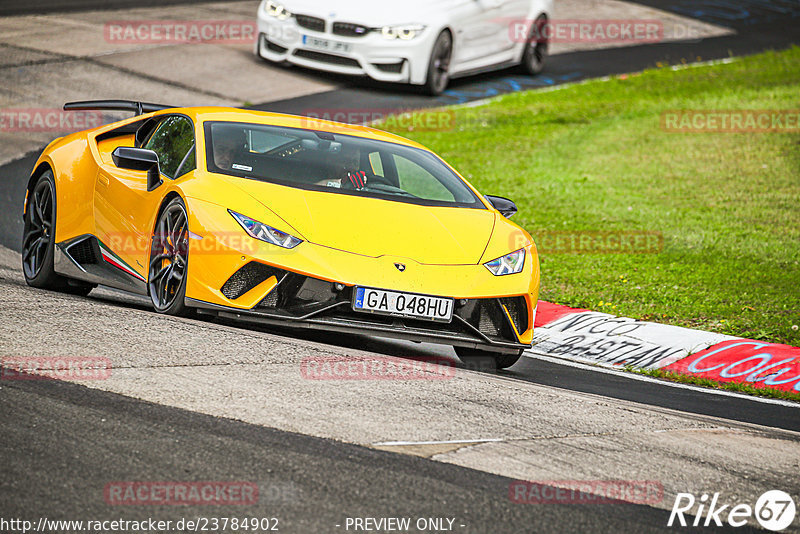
point(479, 359)
point(439, 65)
point(38, 241)
point(533, 58)
point(38, 235)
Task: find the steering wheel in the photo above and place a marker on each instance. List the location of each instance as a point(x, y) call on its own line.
point(373, 178)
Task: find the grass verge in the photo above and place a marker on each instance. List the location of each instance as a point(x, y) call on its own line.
point(593, 157)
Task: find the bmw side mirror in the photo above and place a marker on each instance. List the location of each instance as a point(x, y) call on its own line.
point(505, 206)
point(139, 159)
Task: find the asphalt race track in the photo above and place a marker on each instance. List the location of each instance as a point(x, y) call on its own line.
point(195, 399)
point(23, 7)
point(309, 479)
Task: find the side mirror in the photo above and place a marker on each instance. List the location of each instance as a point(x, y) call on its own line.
point(505, 206)
point(139, 159)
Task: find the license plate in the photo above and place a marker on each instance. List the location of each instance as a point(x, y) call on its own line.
point(325, 44)
point(403, 304)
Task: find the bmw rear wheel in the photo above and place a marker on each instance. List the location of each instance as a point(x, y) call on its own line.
point(38, 241)
point(439, 65)
point(477, 358)
point(169, 260)
point(535, 47)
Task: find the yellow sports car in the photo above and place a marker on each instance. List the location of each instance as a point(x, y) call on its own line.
point(281, 220)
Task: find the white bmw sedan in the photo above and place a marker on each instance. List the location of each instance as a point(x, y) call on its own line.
point(421, 42)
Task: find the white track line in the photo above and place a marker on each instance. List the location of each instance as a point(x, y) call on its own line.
point(643, 378)
point(452, 442)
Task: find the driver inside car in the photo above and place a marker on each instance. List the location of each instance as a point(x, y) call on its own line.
point(345, 171)
point(230, 146)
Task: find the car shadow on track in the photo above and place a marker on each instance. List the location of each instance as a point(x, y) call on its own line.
point(356, 342)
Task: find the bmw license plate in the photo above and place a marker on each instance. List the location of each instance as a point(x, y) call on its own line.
point(325, 44)
point(403, 304)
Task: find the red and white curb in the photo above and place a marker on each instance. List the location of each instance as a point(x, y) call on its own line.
point(609, 341)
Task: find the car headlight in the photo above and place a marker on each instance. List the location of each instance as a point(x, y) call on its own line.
point(406, 33)
point(274, 9)
point(508, 264)
point(266, 233)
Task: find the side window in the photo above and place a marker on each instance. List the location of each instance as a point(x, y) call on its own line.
point(188, 164)
point(173, 141)
point(419, 182)
point(376, 163)
point(262, 142)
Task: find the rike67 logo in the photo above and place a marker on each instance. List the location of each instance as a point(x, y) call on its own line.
point(775, 510)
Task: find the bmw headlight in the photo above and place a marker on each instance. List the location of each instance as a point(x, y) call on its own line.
point(266, 233)
point(508, 264)
point(276, 10)
point(405, 33)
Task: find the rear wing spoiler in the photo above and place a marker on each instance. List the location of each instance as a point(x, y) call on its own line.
point(138, 108)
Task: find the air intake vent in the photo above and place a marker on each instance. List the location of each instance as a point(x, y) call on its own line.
point(491, 319)
point(272, 299)
point(311, 23)
point(83, 252)
point(278, 49)
point(322, 57)
point(518, 310)
point(349, 30)
point(392, 68)
point(246, 278)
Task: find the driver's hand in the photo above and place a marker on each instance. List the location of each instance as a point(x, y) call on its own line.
point(357, 179)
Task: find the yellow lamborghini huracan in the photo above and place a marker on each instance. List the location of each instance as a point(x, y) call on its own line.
point(281, 220)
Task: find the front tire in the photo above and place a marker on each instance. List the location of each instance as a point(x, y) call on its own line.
point(536, 46)
point(439, 65)
point(477, 359)
point(169, 260)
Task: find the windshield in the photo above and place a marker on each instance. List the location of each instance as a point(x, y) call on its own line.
point(334, 163)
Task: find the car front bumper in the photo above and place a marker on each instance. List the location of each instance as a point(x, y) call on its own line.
point(334, 317)
point(368, 55)
point(312, 286)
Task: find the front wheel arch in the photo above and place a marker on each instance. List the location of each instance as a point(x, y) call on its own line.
point(169, 197)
